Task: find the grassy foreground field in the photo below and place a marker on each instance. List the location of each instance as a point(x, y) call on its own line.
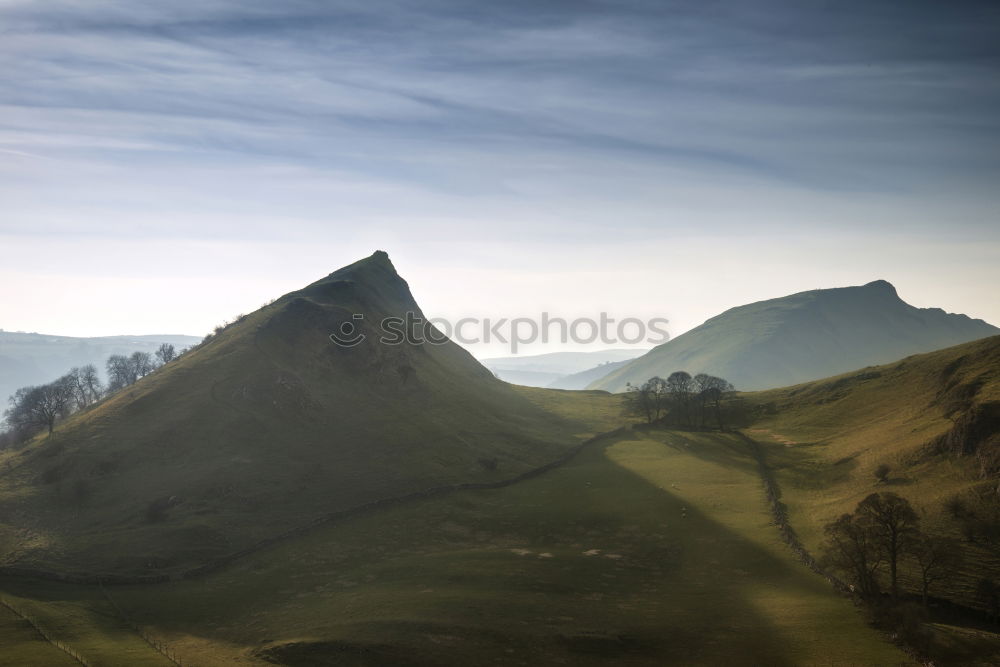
point(652, 547)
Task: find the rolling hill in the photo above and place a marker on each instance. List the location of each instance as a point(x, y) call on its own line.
point(802, 337)
point(547, 370)
point(933, 418)
point(584, 379)
point(267, 426)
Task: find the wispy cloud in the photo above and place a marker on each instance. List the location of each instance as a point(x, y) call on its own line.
point(719, 95)
point(550, 122)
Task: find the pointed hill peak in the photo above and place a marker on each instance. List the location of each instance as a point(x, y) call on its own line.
point(371, 283)
point(882, 285)
point(275, 422)
point(374, 267)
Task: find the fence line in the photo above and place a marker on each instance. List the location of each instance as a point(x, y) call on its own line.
point(157, 646)
point(68, 650)
point(780, 515)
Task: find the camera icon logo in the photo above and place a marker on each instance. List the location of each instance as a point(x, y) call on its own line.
point(349, 334)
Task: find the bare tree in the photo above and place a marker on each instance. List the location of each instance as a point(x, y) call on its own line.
point(702, 381)
point(34, 408)
point(90, 382)
point(716, 389)
point(895, 526)
point(125, 371)
point(709, 390)
point(72, 379)
point(680, 386)
point(142, 365)
point(119, 372)
point(166, 353)
point(647, 400)
point(938, 558)
point(84, 384)
point(637, 402)
point(853, 548)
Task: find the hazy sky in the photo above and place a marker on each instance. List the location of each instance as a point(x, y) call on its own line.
point(166, 165)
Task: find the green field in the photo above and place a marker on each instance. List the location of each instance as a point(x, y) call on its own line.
point(74, 620)
point(648, 548)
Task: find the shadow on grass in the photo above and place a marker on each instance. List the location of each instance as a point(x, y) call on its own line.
point(565, 507)
point(436, 580)
point(797, 465)
point(712, 447)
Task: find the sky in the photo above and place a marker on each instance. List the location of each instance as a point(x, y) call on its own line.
point(165, 166)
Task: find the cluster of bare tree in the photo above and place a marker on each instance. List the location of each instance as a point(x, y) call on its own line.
point(126, 371)
point(869, 545)
point(37, 408)
point(685, 400)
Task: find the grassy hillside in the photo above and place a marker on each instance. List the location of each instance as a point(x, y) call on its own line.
point(649, 548)
point(803, 337)
point(826, 438)
point(559, 370)
point(267, 426)
point(561, 363)
point(54, 625)
point(583, 379)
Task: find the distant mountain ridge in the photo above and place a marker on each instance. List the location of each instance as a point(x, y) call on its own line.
point(34, 358)
point(550, 369)
point(585, 378)
point(803, 337)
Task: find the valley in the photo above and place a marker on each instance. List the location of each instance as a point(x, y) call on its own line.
point(629, 552)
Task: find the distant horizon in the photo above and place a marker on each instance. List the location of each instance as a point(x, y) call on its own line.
point(484, 353)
